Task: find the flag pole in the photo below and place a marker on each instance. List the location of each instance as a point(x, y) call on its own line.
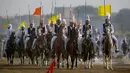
point(7, 16)
point(19, 15)
point(29, 14)
point(63, 13)
point(51, 9)
point(85, 9)
point(78, 13)
point(104, 7)
point(70, 14)
point(40, 10)
point(55, 7)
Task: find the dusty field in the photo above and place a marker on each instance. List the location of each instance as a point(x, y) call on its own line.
point(98, 68)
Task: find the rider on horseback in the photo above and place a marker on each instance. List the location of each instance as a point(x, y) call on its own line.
point(20, 34)
point(41, 29)
point(108, 24)
point(87, 31)
point(8, 33)
point(55, 30)
point(31, 33)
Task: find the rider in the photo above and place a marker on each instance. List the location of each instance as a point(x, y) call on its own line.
point(108, 24)
point(20, 34)
point(87, 32)
point(69, 30)
point(8, 33)
point(41, 29)
point(55, 30)
point(87, 28)
point(30, 31)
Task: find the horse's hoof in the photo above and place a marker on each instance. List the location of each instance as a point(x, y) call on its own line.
point(107, 68)
point(111, 68)
point(72, 68)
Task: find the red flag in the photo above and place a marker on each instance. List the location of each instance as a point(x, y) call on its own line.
point(51, 67)
point(37, 11)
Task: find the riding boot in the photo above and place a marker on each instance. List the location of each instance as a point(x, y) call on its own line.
point(117, 50)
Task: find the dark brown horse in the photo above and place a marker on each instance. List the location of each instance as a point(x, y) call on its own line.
point(58, 47)
point(30, 52)
point(88, 52)
point(11, 48)
point(48, 52)
point(21, 48)
point(72, 49)
point(40, 48)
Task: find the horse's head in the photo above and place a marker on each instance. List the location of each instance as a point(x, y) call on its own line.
point(108, 35)
point(12, 37)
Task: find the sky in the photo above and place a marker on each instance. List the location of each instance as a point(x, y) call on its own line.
point(14, 7)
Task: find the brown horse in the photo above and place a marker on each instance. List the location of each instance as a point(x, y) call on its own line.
point(48, 51)
point(88, 52)
point(40, 48)
point(21, 48)
point(72, 49)
point(11, 48)
point(30, 52)
point(58, 47)
point(107, 49)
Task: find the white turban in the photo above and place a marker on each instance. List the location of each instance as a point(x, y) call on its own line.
point(10, 25)
point(88, 18)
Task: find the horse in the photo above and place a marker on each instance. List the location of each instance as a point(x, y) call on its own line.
point(108, 46)
point(48, 51)
point(72, 49)
point(30, 52)
point(88, 52)
point(40, 48)
point(21, 48)
point(58, 47)
point(11, 48)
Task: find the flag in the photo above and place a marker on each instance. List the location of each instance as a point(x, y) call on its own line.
point(37, 11)
point(6, 25)
point(22, 24)
point(50, 70)
point(101, 10)
point(54, 18)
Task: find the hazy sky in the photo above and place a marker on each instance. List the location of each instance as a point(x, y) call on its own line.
point(13, 6)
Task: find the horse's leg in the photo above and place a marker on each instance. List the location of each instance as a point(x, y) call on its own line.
point(11, 59)
point(63, 61)
point(8, 59)
point(107, 62)
point(23, 58)
point(42, 60)
point(111, 62)
point(72, 61)
point(36, 60)
point(76, 62)
point(67, 61)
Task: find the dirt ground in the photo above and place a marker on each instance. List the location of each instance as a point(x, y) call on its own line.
point(98, 68)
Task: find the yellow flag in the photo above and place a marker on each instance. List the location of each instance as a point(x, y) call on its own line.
point(53, 18)
point(22, 24)
point(6, 25)
point(102, 12)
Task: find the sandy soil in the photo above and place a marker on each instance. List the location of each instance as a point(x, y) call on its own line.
point(98, 68)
